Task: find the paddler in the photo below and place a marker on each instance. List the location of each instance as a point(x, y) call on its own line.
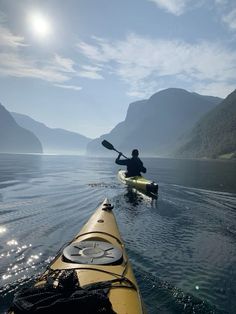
point(134, 164)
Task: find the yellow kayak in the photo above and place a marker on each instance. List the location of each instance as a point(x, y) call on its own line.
point(140, 183)
point(94, 262)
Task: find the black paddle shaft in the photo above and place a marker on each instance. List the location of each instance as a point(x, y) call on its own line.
point(111, 147)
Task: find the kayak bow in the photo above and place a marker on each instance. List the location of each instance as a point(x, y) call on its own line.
point(97, 257)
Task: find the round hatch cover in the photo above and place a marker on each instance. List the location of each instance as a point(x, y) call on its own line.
point(92, 252)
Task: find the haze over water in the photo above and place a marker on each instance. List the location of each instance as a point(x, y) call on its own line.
point(182, 247)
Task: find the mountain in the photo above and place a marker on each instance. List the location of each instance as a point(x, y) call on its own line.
point(215, 134)
point(157, 125)
point(53, 140)
point(14, 138)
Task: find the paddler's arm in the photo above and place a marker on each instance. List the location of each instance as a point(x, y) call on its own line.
point(143, 169)
point(118, 161)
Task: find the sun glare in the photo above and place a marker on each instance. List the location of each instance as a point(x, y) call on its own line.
point(40, 25)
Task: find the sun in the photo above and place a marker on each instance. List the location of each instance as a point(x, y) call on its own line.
point(39, 25)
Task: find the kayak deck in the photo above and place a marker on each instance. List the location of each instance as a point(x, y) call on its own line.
point(97, 255)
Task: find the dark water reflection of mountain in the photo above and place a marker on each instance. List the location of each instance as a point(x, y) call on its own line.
point(182, 246)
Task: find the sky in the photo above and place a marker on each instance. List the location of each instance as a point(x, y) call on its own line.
point(78, 64)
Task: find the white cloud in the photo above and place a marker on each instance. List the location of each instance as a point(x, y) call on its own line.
point(92, 52)
point(7, 39)
point(91, 68)
point(230, 19)
point(143, 62)
point(64, 64)
point(219, 89)
point(176, 7)
point(142, 89)
point(74, 87)
point(13, 64)
point(90, 72)
point(90, 75)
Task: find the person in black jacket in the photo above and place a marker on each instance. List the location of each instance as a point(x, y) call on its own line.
point(134, 164)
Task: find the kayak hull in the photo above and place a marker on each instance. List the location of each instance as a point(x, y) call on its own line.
point(101, 258)
point(140, 183)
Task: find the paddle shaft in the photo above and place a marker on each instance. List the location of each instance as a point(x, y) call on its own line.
point(120, 153)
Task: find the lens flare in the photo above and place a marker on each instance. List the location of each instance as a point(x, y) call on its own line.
point(40, 25)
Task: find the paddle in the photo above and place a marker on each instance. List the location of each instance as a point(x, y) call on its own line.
point(111, 147)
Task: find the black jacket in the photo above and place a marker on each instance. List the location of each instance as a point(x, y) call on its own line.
point(134, 166)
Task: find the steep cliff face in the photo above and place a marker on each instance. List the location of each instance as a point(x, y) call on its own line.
point(156, 125)
point(215, 134)
point(15, 139)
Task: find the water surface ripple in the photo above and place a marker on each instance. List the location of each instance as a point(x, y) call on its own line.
point(182, 246)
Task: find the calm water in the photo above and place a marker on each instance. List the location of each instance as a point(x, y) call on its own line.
point(182, 246)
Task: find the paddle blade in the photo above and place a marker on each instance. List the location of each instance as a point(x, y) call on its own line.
point(107, 145)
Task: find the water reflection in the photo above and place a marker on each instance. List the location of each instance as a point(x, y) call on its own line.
point(133, 197)
point(216, 175)
point(166, 298)
point(2, 229)
point(136, 198)
point(187, 239)
point(18, 168)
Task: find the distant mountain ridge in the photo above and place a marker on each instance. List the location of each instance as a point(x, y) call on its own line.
point(14, 138)
point(171, 123)
point(215, 134)
point(53, 140)
point(156, 125)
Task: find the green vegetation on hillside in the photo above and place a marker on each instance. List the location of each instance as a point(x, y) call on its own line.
point(214, 135)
